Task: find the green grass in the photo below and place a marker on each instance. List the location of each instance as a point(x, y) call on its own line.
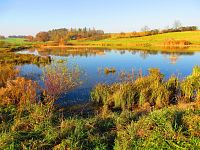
point(16, 41)
point(19, 42)
point(43, 128)
point(161, 129)
point(146, 41)
point(192, 36)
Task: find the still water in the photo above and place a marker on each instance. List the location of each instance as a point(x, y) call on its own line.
point(93, 61)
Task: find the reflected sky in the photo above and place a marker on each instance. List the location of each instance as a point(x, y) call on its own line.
point(92, 62)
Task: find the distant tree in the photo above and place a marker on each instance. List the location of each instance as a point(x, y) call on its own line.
point(153, 32)
point(177, 24)
point(189, 28)
point(122, 34)
point(194, 28)
point(63, 34)
point(42, 36)
point(2, 37)
point(134, 34)
point(145, 29)
point(29, 38)
point(17, 36)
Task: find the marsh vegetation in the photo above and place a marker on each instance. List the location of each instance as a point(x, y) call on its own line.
point(148, 91)
point(142, 112)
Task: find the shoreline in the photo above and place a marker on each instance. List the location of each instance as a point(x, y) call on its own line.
point(167, 48)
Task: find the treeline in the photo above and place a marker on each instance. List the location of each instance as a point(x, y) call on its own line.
point(17, 36)
point(63, 34)
point(146, 31)
point(180, 29)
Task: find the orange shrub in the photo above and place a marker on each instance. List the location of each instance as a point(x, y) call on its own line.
point(7, 73)
point(173, 42)
point(19, 91)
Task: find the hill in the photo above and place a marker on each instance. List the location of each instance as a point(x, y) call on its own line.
point(193, 37)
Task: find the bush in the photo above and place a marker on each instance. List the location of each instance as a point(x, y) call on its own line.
point(172, 42)
point(59, 79)
point(8, 72)
point(19, 92)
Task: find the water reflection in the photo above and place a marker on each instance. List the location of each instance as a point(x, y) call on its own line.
point(93, 60)
point(87, 52)
point(71, 52)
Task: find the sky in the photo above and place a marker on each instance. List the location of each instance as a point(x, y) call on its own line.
point(27, 17)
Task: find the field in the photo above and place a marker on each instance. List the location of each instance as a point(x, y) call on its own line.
point(147, 41)
point(16, 41)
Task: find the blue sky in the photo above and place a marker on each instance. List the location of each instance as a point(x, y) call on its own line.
point(31, 16)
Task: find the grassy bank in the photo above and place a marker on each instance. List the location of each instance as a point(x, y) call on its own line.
point(41, 127)
point(8, 56)
point(138, 113)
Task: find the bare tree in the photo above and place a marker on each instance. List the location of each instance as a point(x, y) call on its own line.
point(145, 29)
point(177, 24)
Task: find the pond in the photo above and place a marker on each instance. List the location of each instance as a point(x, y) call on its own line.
point(93, 62)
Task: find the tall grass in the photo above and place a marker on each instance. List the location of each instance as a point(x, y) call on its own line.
point(150, 90)
point(161, 129)
point(191, 86)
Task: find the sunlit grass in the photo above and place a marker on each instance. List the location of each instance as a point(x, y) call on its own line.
point(16, 41)
point(147, 41)
point(151, 90)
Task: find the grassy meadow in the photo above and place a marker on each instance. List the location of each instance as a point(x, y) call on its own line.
point(152, 42)
point(17, 41)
